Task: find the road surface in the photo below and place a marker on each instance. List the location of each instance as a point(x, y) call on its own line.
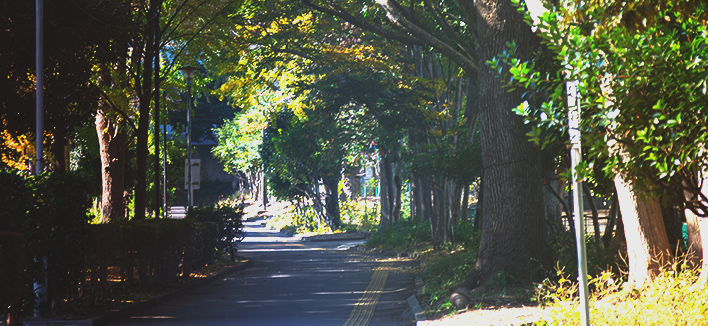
point(290, 282)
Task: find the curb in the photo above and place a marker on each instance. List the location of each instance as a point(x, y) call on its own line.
point(416, 311)
point(337, 237)
point(114, 315)
point(387, 253)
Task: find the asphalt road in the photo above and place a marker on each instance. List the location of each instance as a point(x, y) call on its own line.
point(290, 282)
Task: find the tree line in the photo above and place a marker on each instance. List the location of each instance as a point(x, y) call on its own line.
point(441, 94)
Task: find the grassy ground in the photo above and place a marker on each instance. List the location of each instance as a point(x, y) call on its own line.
point(673, 298)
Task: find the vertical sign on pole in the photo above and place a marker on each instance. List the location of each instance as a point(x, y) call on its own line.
point(575, 158)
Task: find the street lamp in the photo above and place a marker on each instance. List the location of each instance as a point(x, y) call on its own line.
point(189, 74)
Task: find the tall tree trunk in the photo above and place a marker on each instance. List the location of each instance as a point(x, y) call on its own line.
point(465, 202)
point(593, 208)
point(59, 150)
point(391, 183)
point(674, 228)
point(332, 199)
point(383, 193)
point(612, 218)
point(647, 245)
point(145, 97)
point(397, 188)
point(555, 204)
point(694, 242)
point(514, 229)
point(112, 144)
point(697, 229)
point(352, 184)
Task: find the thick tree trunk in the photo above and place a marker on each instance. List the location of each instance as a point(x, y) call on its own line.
point(514, 229)
point(112, 144)
point(385, 181)
point(612, 218)
point(352, 184)
point(694, 243)
point(397, 189)
point(555, 204)
point(391, 183)
point(697, 229)
point(674, 228)
point(60, 150)
point(647, 245)
point(332, 199)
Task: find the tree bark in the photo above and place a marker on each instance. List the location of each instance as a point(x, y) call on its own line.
point(112, 144)
point(144, 98)
point(612, 218)
point(647, 245)
point(465, 202)
point(332, 199)
point(674, 228)
point(697, 229)
point(385, 181)
point(694, 243)
point(593, 208)
point(514, 228)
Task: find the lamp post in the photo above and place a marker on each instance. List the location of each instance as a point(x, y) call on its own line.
point(189, 74)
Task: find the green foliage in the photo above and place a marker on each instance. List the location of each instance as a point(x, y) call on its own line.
point(642, 93)
point(459, 160)
point(239, 142)
point(599, 258)
point(360, 216)
point(442, 273)
point(404, 235)
point(299, 221)
point(50, 211)
point(228, 220)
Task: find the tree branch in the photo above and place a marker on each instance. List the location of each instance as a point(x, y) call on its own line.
point(468, 64)
point(400, 37)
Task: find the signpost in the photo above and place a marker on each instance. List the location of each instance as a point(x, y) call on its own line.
point(575, 158)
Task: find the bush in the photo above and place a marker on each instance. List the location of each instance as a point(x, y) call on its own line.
point(229, 224)
point(359, 216)
point(300, 221)
point(50, 211)
point(403, 235)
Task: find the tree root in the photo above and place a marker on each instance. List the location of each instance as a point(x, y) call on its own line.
point(461, 297)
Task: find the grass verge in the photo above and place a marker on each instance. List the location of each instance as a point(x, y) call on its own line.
point(672, 298)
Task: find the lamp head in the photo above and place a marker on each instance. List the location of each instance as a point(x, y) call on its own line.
point(188, 71)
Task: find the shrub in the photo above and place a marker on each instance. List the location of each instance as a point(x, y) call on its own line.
point(403, 235)
point(228, 220)
point(300, 221)
point(50, 212)
point(359, 216)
